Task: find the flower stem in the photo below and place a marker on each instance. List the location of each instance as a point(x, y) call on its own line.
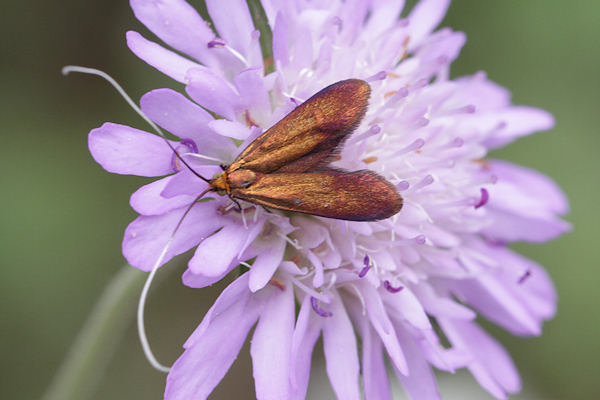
point(84, 365)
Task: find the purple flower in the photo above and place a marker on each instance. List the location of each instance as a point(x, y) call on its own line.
point(440, 262)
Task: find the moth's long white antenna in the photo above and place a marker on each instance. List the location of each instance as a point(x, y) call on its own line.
point(93, 71)
point(140, 312)
point(144, 294)
point(142, 302)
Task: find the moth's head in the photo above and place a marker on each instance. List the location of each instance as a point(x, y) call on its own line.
point(242, 178)
point(220, 184)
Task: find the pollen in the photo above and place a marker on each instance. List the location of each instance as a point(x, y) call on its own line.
point(370, 160)
point(277, 283)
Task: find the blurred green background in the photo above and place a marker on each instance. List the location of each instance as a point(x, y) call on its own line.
point(62, 216)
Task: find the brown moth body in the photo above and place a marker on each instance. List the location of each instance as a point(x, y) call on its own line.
point(287, 167)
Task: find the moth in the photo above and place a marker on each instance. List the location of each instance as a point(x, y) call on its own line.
point(287, 167)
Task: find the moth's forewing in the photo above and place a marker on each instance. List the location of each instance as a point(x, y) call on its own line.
point(354, 196)
point(305, 138)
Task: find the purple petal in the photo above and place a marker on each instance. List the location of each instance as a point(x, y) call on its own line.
point(265, 265)
point(186, 183)
point(424, 17)
point(309, 234)
point(233, 22)
point(281, 54)
point(511, 123)
point(206, 360)
point(524, 205)
point(146, 237)
point(166, 61)
point(536, 190)
point(306, 333)
point(384, 15)
point(229, 129)
point(124, 150)
point(498, 295)
point(178, 115)
point(318, 280)
point(407, 307)
point(510, 227)
point(177, 24)
point(214, 255)
point(479, 91)
point(234, 293)
point(341, 356)
point(537, 292)
point(199, 281)
point(148, 201)
point(441, 306)
point(213, 92)
point(383, 326)
point(271, 344)
point(491, 298)
point(437, 52)
point(250, 85)
point(420, 383)
point(375, 382)
point(353, 15)
point(491, 365)
point(174, 112)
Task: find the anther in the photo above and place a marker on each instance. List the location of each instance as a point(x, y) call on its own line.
point(485, 196)
point(366, 267)
point(524, 277)
point(402, 185)
point(277, 283)
point(415, 145)
point(388, 286)
point(216, 42)
point(317, 309)
point(381, 75)
point(420, 239)
point(426, 181)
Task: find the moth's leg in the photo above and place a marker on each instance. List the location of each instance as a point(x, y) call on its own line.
point(224, 167)
point(267, 210)
point(237, 203)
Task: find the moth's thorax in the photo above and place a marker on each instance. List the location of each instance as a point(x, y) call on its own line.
point(241, 178)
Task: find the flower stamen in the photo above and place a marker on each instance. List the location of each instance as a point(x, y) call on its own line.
point(485, 196)
point(524, 277)
point(392, 289)
point(277, 283)
point(220, 43)
point(317, 309)
point(415, 145)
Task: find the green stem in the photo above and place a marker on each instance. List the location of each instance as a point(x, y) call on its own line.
point(84, 365)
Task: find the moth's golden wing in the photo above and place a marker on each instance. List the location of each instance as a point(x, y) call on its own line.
point(307, 136)
point(354, 196)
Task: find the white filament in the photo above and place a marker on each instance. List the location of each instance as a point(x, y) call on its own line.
point(140, 312)
point(142, 302)
point(92, 71)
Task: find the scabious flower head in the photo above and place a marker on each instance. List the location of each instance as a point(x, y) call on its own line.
point(408, 288)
